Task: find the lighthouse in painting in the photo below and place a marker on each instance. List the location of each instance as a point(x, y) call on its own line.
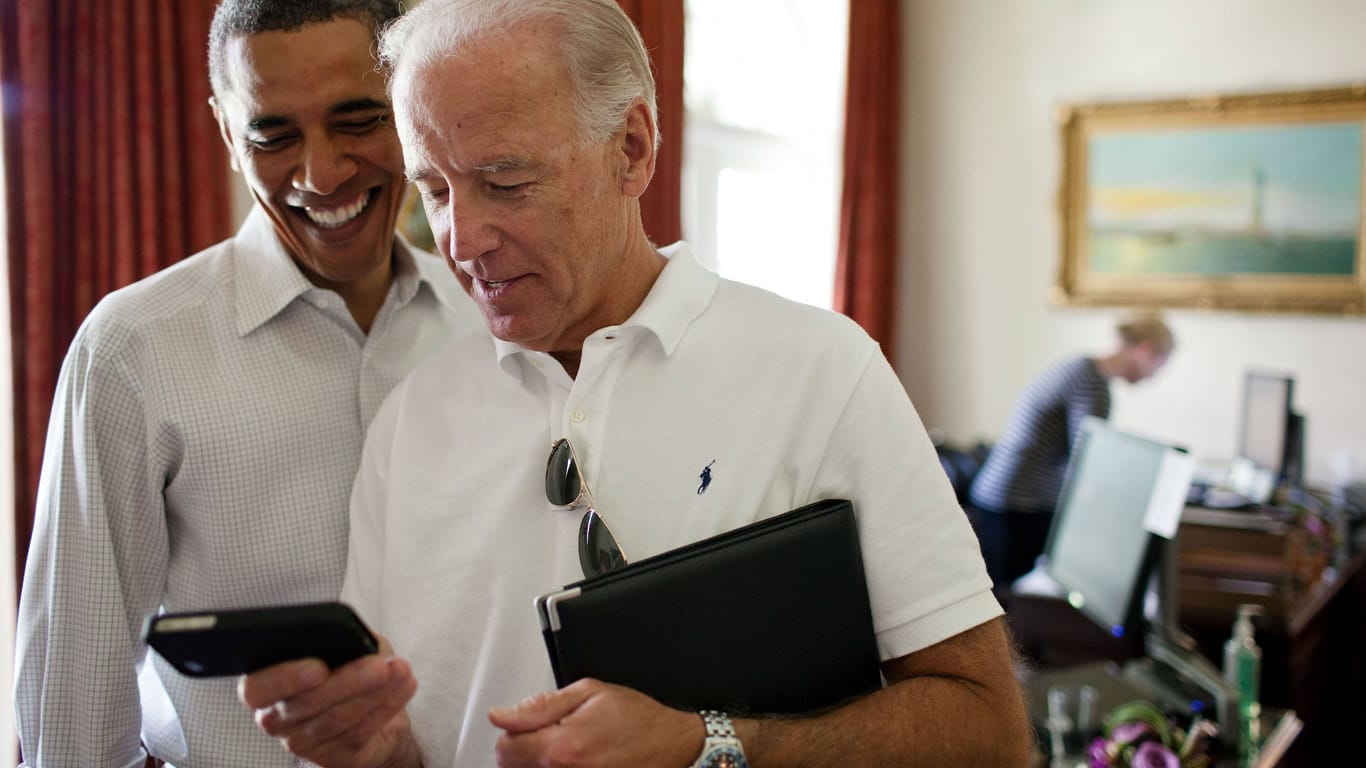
point(1257, 224)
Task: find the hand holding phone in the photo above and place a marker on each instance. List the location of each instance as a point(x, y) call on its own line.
point(238, 642)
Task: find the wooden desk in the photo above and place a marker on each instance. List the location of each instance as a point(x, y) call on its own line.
point(1313, 635)
point(1230, 558)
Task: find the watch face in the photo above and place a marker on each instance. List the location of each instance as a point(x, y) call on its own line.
point(725, 756)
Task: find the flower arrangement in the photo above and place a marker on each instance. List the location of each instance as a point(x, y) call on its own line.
point(1139, 735)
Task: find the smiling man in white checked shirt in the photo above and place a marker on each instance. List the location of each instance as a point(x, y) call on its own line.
point(209, 419)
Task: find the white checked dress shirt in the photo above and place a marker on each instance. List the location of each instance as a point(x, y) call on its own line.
point(205, 433)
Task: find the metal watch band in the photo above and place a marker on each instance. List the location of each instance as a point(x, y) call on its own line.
point(721, 749)
point(718, 724)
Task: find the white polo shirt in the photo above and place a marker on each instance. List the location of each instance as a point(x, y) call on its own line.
point(452, 537)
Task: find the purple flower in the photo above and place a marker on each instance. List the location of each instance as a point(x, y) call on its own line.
point(1131, 732)
point(1314, 524)
point(1098, 754)
point(1151, 754)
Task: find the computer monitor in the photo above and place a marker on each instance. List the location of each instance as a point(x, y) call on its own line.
point(1272, 433)
point(1111, 556)
point(1100, 551)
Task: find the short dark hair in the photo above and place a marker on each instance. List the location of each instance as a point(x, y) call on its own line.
point(235, 18)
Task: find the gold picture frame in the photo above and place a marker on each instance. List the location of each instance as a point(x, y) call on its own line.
point(1241, 202)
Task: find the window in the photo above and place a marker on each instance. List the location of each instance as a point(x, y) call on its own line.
point(764, 94)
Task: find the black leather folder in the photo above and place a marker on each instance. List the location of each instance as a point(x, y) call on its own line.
point(771, 618)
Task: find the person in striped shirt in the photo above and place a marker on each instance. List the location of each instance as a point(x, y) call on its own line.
point(1017, 488)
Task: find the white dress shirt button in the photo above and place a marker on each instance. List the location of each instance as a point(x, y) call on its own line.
point(577, 416)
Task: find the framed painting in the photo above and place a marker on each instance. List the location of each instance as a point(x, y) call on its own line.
point(1247, 202)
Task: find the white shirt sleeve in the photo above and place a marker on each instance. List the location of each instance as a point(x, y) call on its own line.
point(362, 585)
point(95, 568)
point(926, 578)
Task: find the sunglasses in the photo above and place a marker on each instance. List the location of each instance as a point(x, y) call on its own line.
point(565, 487)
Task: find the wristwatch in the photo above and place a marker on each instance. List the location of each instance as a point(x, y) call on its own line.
point(721, 749)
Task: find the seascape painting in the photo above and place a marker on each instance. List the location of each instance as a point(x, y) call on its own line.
point(1249, 202)
point(1256, 200)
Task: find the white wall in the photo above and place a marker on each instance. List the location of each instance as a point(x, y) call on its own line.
point(981, 175)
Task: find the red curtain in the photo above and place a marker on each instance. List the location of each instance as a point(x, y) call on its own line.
point(114, 169)
point(661, 25)
point(865, 272)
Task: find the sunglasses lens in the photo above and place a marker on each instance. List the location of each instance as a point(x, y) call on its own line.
point(598, 549)
point(561, 476)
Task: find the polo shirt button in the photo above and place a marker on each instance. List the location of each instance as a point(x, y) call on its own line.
point(577, 416)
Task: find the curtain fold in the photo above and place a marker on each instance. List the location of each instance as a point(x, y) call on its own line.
point(661, 25)
point(114, 169)
point(865, 270)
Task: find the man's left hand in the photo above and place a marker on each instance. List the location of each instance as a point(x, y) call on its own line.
point(591, 723)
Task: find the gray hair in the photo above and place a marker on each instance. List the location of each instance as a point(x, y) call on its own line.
point(602, 50)
point(237, 18)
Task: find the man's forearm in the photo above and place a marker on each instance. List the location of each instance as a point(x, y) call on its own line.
point(921, 720)
point(899, 726)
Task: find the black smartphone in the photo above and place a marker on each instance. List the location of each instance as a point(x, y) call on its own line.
point(236, 642)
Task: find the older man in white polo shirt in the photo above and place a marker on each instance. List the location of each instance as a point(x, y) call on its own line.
point(529, 127)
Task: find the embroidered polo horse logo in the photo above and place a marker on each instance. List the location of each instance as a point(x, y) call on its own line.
point(706, 478)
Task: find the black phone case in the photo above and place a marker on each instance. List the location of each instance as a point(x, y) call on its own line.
point(236, 642)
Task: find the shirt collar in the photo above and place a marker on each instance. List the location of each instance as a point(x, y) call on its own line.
point(268, 279)
point(415, 268)
point(680, 294)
